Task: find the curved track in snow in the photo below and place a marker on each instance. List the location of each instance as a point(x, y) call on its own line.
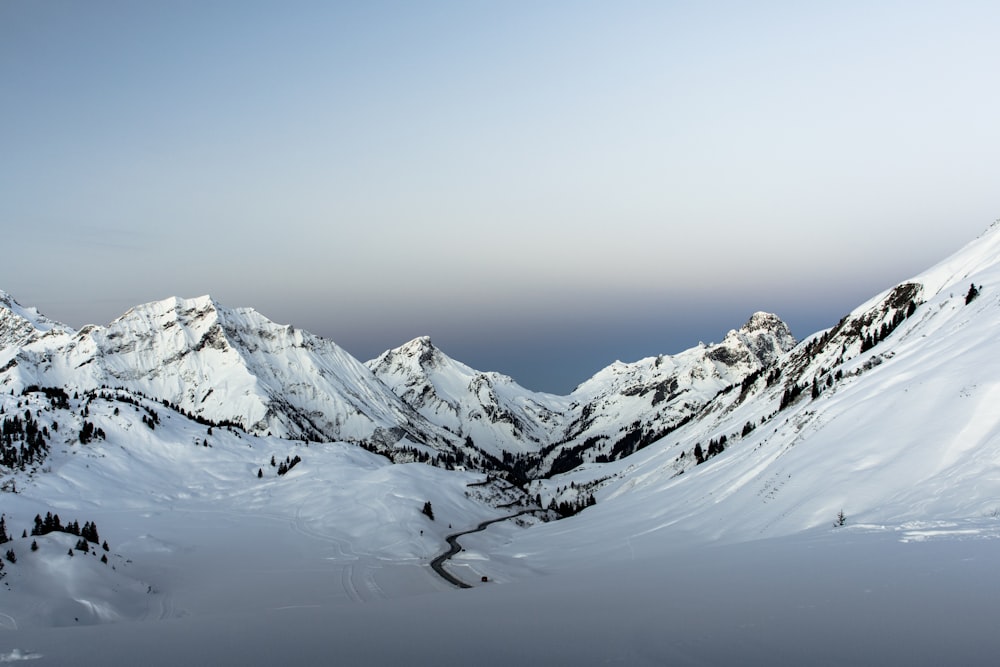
point(454, 547)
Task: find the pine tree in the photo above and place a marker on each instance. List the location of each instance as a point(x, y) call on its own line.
point(428, 510)
point(34, 545)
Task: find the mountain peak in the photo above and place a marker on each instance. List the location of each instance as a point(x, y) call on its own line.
point(765, 335)
point(418, 343)
point(19, 324)
point(172, 305)
point(420, 348)
point(763, 321)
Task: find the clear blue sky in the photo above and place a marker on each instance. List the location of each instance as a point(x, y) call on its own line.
point(542, 187)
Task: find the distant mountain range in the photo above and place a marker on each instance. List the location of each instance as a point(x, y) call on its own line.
point(415, 403)
point(236, 366)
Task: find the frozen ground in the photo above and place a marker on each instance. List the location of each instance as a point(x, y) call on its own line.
point(849, 596)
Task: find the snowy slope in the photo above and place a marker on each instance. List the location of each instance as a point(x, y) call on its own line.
point(904, 436)
point(199, 521)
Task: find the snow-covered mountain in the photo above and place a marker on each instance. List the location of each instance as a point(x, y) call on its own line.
point(490, 409)
point(890, 416)
point(20, 325)
point(621, 408)
point(236, 366)
point(222, 365)
point(625, 407)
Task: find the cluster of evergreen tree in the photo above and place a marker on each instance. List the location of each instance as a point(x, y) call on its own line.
point(517, 466)
point(567, 508)
point(638, 437)
point(790, 394)
point(571, 457)
point(89, 532)
point(873, 338)
point(152, 418)
point(513, 470)
point(22, 441)
point(122, 395)
point(58, 398)
point(715, 447)
point(747, 383)
point(89, 432)
point(52, 523)
point(199, 419)
point(287, 464)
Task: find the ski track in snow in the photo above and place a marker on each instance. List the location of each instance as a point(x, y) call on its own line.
point(347, 581)
point(16, 655)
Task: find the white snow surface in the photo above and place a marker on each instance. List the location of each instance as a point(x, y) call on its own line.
point(19, 325)
point(734, 561)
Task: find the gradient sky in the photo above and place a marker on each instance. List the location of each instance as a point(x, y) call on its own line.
point(542, 187)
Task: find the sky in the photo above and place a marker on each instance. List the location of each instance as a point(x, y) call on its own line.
point(542, 187)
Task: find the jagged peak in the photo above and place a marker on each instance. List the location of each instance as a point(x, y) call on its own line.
point(761, 323)
point(36, 320)
point(420, 348)
point(419, 343)
point(765, 335)
point(179, 305)
point(762, 320)
point(184, 311)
